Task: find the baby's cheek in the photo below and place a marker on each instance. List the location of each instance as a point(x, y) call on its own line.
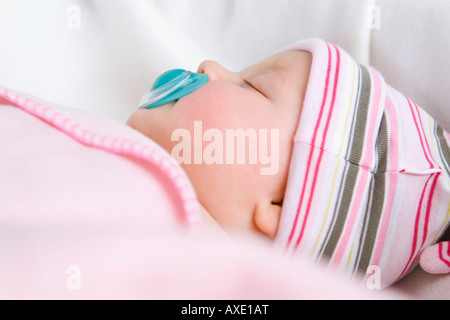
point(218, 105)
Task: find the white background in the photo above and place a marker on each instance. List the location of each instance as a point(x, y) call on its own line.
point(121, 46)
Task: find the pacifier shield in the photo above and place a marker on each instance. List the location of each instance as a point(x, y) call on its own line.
point(172, 85)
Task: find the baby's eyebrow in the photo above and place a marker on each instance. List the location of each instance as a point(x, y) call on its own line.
point(277, 66)
point(274, 67)
point(280, 72)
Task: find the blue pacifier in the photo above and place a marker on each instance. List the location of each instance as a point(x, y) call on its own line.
point(172, 85)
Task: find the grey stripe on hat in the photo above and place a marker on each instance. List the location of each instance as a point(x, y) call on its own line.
point(444, 149)
point(353, 156)
point(376, 203)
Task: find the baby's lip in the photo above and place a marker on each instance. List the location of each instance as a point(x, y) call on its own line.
point(169, 104)
point(172, 103)
point(163, 106)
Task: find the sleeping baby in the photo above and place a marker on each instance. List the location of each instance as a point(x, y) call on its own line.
point(362, 174)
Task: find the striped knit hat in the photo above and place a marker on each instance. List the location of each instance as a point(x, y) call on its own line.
point(369, 179)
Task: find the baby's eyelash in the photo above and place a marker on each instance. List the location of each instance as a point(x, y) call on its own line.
point(253, 87)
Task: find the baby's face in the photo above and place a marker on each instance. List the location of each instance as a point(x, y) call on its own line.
point(265, 101)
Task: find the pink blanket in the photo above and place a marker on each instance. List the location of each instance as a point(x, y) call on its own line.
point(91, 209)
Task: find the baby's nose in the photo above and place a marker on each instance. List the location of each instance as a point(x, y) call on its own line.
point(215, 71)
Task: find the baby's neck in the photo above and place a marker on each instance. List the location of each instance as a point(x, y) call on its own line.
point(208, 223)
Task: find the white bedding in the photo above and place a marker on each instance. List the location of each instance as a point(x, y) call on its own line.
point(102, 56)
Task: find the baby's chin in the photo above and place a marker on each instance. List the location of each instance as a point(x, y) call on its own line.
point(142, 119)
